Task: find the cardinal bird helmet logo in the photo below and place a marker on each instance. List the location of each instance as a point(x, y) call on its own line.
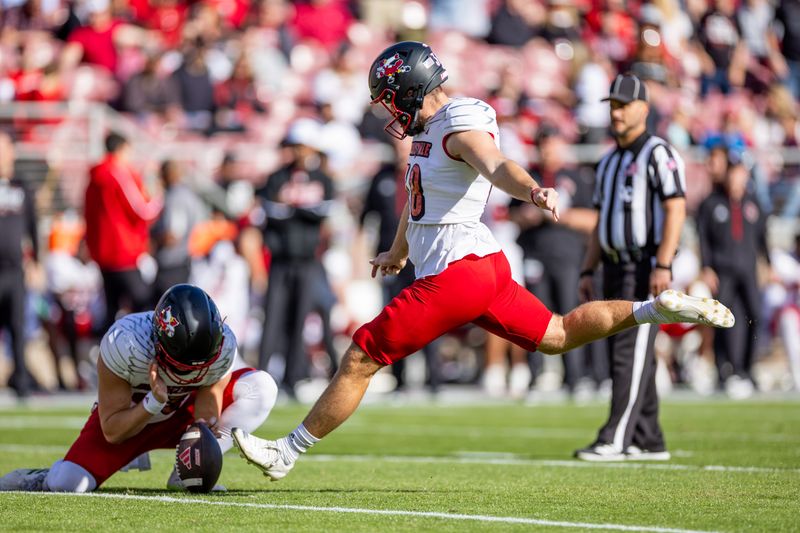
point(166, 322)
point(390, 66)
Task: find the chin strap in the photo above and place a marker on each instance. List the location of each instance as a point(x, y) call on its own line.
point(415, 128)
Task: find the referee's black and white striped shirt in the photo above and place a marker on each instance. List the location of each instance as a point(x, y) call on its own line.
point(630, 186)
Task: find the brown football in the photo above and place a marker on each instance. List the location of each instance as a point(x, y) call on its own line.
point(198, 458)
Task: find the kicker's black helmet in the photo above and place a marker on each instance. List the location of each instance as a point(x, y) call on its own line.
point(188, 334)
point(400, 78)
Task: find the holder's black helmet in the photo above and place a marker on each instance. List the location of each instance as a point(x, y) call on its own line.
point(188, 335)
point(400, 78)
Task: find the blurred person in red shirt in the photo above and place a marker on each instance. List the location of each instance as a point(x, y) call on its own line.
point(118, 214)
point(167, 17)
point(610, 29)
point(324, 21)
point(97, 42)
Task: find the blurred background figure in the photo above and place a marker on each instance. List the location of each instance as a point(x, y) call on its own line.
point(732, 232)
point(19, 249)
point(152, 93)
point(196, 90)
point(118, 213)
point(219, 269)
point(170, 233)
point(787, 320)
point(553, 251)
point(506, 369)
point(723, 60)
point(296, 201)
point(74, 297)
point(229, 194)
point(788, 15)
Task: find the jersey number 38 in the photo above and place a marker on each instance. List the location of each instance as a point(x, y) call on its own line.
point(416, 200)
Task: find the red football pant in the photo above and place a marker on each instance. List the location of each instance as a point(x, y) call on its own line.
point(102, 459)
point(472, 289)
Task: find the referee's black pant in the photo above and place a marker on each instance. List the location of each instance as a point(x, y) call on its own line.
point(634, 401)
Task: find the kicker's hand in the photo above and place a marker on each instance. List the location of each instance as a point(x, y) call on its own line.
point(388, 263)
point(212, 424)
point(547, 199)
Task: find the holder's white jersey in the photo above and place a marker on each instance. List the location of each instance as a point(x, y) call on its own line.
point(446, 196)
point(127, 349)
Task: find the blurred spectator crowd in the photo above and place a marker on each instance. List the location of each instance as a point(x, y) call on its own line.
point(289, 78)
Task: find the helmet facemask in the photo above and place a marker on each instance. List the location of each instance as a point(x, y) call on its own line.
point(402, 123)
point(176, 370)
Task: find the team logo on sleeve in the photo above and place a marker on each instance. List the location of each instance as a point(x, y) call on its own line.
point(166, 322)
point(391, 66)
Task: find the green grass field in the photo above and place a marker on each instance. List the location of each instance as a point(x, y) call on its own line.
point(736, 467)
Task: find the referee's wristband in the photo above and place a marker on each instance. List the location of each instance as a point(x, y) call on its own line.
point(151, 405)
point(587, 272)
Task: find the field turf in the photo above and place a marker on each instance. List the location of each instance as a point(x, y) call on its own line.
point(428, 467)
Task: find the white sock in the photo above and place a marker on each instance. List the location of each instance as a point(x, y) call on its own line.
point(254, 395)
point(66, 476)
point(296, 442)
point(647, 313)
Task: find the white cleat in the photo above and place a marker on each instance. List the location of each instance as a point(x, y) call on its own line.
point(174, 483)
point(27, 479)
point(263, 454)
point(678, 307)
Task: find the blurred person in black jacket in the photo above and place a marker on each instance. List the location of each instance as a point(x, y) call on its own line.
point(296, 201)
point(732, 233)
point(553, 251)
point(18, 221)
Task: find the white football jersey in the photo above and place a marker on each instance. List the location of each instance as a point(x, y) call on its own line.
point(128, 348)
point(446, 196)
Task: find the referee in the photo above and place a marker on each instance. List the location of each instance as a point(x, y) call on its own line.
point(639, 192)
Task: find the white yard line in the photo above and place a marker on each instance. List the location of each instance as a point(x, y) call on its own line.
point(379, 512)
point(466, 458)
